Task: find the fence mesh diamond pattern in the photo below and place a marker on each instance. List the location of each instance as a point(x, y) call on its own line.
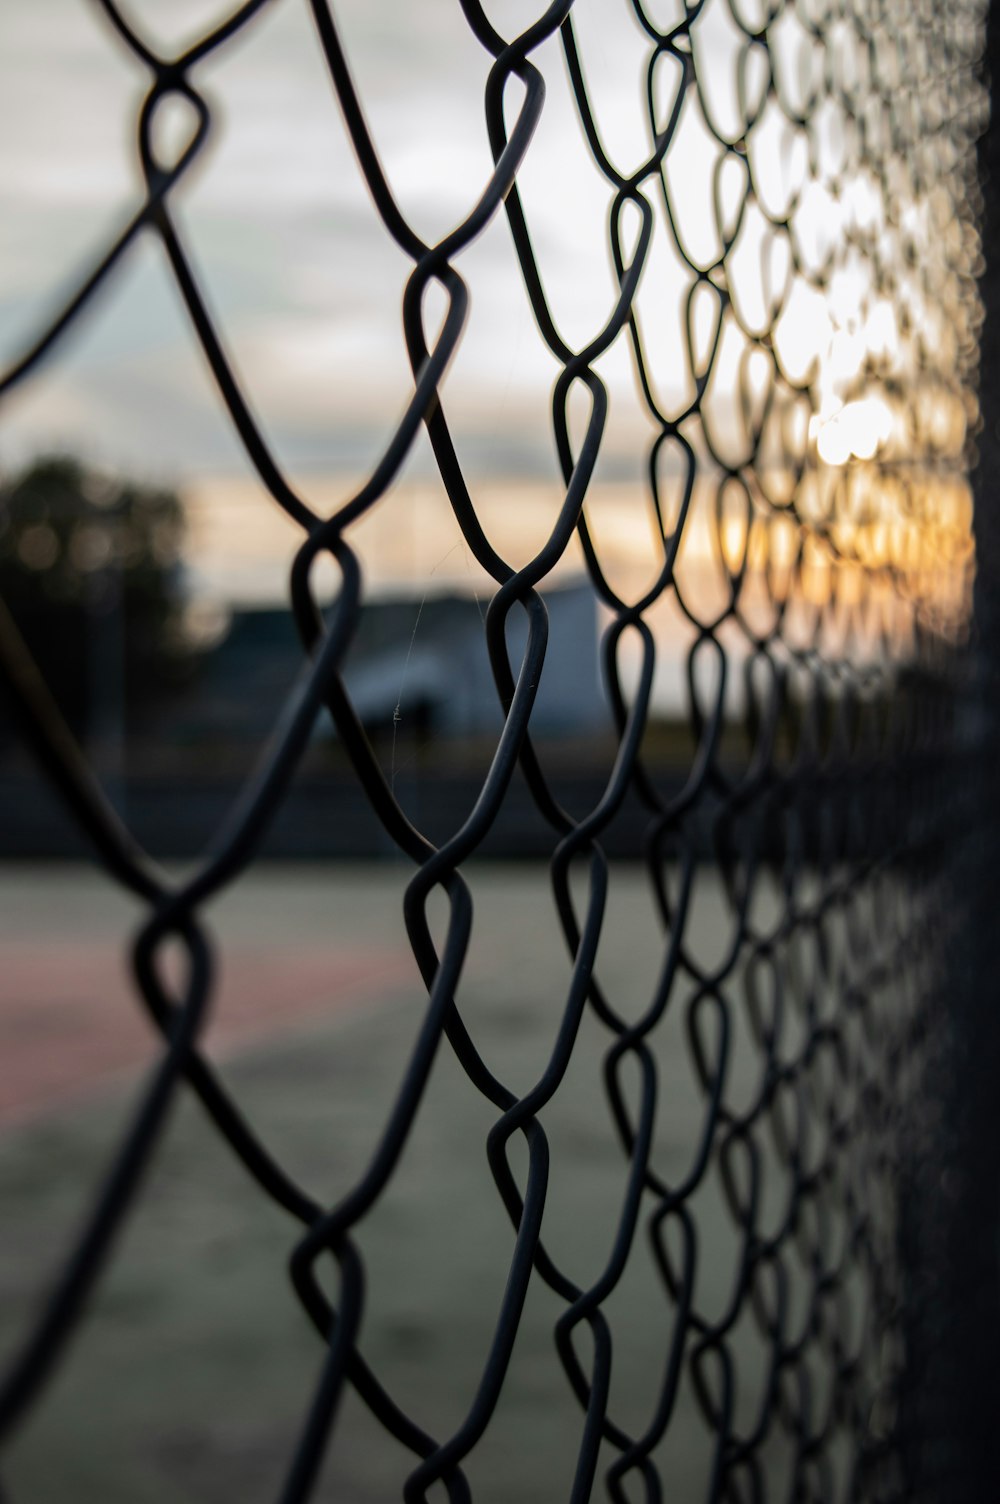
point(808, 390)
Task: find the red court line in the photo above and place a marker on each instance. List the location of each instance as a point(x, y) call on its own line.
point(70, 1020)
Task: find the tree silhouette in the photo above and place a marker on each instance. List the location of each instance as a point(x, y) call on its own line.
point(91, 571)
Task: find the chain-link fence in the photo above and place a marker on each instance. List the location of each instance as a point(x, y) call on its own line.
point(795, 258)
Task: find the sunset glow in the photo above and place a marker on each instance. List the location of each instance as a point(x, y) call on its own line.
point(796, 346)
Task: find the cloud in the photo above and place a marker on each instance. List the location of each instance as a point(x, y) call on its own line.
point(302, 278)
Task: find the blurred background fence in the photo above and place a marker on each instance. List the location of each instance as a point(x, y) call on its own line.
point(658, 567)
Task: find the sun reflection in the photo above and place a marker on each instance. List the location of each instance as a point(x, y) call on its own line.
point(857, 430)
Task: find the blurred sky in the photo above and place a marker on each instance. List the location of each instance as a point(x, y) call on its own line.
point(304, 281)
point(306, 286)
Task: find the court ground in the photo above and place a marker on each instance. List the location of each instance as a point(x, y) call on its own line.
point(191, 1375)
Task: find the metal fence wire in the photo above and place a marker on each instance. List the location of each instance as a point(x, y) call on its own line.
point(837, 315)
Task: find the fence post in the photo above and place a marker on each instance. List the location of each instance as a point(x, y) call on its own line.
point(951, 1210)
